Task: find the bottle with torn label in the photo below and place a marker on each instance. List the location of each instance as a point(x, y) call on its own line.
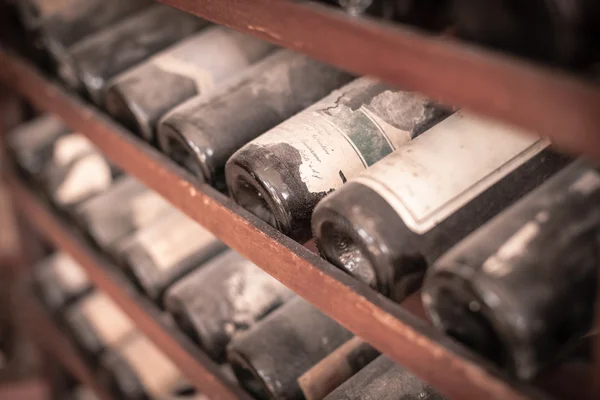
point(204, 132)
point(389, 223)
point(383, 379)
point(281, 175)
point(76, 171)
point(119, 211)
point(164, 251)
point(335, 369)
point(91, 62)
point(140, 96)
point(138, 370)
point(98, 324)
point(222, 298)
point(269, 358)
point(522, 287)
point(63, 23)
point(31, 144)
point(59, 281)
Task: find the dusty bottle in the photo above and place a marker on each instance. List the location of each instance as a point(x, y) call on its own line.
point(76, 171)
point(388, 224)
point(195, 66)
point(521, 287)
point(138, 370)
point(383, 379)
point(165, 250)
point(269, 358)
point(336, 368)
point(98, 324)
point(59, 281)
point(222, 298)
point(91, 62)
point(202, 133)
point(68, 22)
point(281, 175)
point(118, 212)
point(31, 144)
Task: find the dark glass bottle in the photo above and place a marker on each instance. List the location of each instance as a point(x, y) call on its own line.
point(59, 281)
point(91, 62)
point(165, 250)
point(269, 358)
point(195, 66)
point(388, 224)
point(97, 324)
point(222, 298)
point(521, 287)
point(204, 132)
point(383, 379)
point(281, 175)
point(138, 370)
point(118, 212)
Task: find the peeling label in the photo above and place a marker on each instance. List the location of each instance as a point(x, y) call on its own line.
point(109, 321)
point(88, 175)
point(156, 372)
point(440, 171)
point(69, 147)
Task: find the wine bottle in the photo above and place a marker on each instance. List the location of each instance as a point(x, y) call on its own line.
point(195, 66)
point(521, 287)
point(336, 368)
point(118, 212)
point(70, 21)
point(76, 171)
point(281, 175)
point(388, 224)
point(31, 144)
point(59, 281)
point(165, 250)
point(202, 133)
point(383, 379)
point(138, 370)
point(93, 61)
point(98, 324)
point(222, 298)
point(269, 358)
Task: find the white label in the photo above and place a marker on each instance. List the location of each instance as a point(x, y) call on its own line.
point(203, 78)
point(88, 175)
point(69, 274)
point(69, 147)
point(146, 206)
point(157, 373)
point(173, 240)
point(434, 175)
point(109, 321)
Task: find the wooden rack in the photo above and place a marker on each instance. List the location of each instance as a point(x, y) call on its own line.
point(536, 98)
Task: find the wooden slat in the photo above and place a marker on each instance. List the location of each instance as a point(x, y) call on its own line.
point(548, 102)
point(454, 370)
point(48, 335)
point(194, 364)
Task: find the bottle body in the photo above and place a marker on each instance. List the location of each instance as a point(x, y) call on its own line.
point(282, 347)
point(383, 379)
point(96, 59)
point(281, 175)
point(388, 224)
point(98, 324)
point(122, 209)
point(59, 281)
point(531, 260)
point(222, 298)
point(203, 133)
point(195, 66)
point(164, 251)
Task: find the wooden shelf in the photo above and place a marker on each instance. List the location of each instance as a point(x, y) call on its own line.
point(195, 365)
point(49, 336)
point(542, 100)
point(450, 367)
